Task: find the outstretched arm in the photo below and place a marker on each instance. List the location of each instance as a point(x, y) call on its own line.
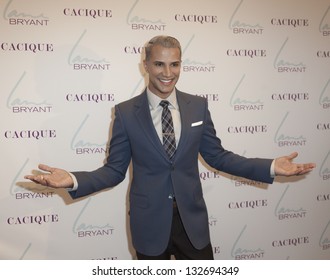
point(285, 167)
point(55, 178)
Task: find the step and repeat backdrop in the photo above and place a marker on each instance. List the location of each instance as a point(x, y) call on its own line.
point(264, 67)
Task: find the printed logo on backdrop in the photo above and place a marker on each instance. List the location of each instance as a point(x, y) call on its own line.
point(191, 65)
point(324, 172)
point(139, 23)
point(89, 13)
point(16, 16)
point(324, 26)
point(27, 249)
point(248, 204)
point(90, 97)
point(30, 134)
point(294, 241)
point(248, 53)
point(290, 22)
point(284, 212)
point(287, 66)
point(323, 54)
point(241, 104)
point(37, 220)
point(134, 49)
point(324, 99)
point(213, 221)
point(208, 175)
point(245, 253)
point(210, 97)
point(324, 242)
point(213, 224)
point(27, 47)
point(248, 129)
point(199, 19)
point(239, 27)
point(18, 104)
point(82, 146)
point(284, 140)
point(30, 190)
point(81, 59)
point(93, 229)
point(290, 96)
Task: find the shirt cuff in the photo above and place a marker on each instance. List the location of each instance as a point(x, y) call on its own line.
point(75, 183)
point(272, 169)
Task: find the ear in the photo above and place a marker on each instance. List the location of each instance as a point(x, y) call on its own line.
point(145, 66)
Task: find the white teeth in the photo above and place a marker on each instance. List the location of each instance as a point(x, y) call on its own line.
point(165, 81)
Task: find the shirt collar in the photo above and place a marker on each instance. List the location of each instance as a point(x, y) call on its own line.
point(154, 100)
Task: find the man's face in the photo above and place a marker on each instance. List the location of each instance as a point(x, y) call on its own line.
point(164, 70)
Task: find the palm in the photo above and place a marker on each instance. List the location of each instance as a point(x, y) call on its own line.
point(56, 177)
point(284, 166)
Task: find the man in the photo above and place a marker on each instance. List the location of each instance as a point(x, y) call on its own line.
point(168, 215)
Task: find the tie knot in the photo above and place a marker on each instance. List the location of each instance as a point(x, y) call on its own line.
point(164, 103)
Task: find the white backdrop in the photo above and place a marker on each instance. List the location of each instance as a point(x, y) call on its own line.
point(263, 66)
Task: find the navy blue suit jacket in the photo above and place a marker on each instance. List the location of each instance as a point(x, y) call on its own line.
point(155, 177)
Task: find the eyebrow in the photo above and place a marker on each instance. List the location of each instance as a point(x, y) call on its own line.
point(159, 61)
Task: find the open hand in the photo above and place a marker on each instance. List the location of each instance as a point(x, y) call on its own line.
point(285, 167)
point(55, 177)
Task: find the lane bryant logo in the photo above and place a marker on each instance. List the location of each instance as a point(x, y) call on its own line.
point(324, 26)
point(139, 23)
point(324, 242)
point(246, 254)
point(19, 105)
point(324, 99)
point(16, 17)
point(324, 172)
point(239, 27)
point(81, 62)
point(282, 65)
point(81, 229)
point(284, 140)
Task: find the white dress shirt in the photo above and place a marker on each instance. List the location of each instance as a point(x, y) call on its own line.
point(156, 114)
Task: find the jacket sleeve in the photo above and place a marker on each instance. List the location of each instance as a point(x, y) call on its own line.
point(216, 156)
point(114, 170)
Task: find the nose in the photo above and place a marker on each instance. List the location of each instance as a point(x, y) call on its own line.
point(167, 71)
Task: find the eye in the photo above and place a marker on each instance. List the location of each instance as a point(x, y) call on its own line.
point(158, 64)
point(176, 64)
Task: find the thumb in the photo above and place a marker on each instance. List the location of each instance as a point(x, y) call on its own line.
point(45, 167)
point(292, 156)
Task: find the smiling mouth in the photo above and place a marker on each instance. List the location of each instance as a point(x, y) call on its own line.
point(166, 81)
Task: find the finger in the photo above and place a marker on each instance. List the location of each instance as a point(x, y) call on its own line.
point(305, 168)
point(29, 177)
point(292, 156)
point(45, 167)
point(39, 179)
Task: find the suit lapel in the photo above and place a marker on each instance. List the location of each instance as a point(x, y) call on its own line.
point(143, 116)
point(185, 114)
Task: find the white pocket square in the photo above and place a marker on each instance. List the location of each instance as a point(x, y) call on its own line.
point(196, 123)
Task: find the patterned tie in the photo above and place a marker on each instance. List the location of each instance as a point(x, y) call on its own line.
point(168, 129)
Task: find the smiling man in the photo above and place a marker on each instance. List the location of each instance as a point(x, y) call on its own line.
point(163, 131)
